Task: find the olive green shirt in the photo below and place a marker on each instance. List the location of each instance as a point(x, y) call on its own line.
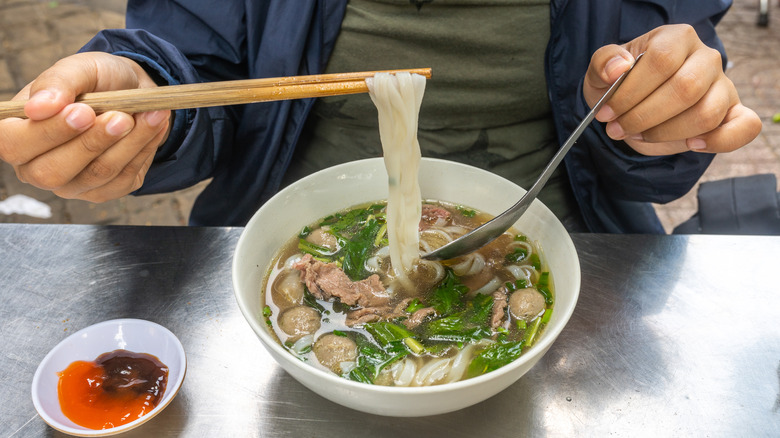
point(485, 105)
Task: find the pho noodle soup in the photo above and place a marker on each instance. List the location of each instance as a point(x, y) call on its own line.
point(351, 295)
point(333, 300)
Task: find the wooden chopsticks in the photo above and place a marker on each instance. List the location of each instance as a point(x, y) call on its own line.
point(221, 93)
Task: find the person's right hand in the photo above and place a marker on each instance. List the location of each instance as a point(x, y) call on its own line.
point(64, 147)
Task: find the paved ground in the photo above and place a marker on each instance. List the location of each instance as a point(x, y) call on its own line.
point(35, 33)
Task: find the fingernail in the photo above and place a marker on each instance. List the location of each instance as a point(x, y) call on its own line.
point(616, 66)
point(43, 96)
point(606, 114)
point(615, 131)
point(155, 118)
point(119, 125)
point(696, 144)
point(78, 118)
point(637, 137)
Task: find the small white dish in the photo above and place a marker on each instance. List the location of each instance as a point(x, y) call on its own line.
point(87, 344)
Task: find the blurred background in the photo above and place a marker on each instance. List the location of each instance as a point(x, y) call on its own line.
point(35, 33)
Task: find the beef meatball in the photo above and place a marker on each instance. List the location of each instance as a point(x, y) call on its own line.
point(288, 290)
point(299, 321)
point(526, 304)
point(331, 350)
point(321, 237)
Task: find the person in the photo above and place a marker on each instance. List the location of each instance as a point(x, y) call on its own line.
point(512, 79)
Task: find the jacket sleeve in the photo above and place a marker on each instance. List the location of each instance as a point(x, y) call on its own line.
point(181, 44)
point(624, 174)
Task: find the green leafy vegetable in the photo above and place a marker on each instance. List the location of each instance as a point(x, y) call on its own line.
point(546, 316)
point(466, 212)
point(520, 283)
point(470, 324)
point(319, 252)
point(494, 357)
point(358, 249)
point(372, 358)
point(387, 332)
point(446, 297)
point(351, 221)
point(415, 305)
point(543, 286)
point(311, 301)
point(518, 255)
point(531, 331)
point(535, 262)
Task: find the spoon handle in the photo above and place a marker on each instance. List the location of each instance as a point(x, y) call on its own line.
point(490, 230)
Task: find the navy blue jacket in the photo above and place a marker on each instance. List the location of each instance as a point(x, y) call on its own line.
point(247, 148)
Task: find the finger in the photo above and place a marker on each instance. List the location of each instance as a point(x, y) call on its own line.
point(607, 64)
point(59, 85)
point(58, 167)
point(685, 89)
point(21, 140)
point(740, 126)
point(665, 51)
point(657, 149)
point(107, 166)
point(130, 178)
point(81, 73)
point(704, 116)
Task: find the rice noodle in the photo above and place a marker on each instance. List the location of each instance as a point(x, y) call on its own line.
point(436, 266)
point(439, 232)
point(521, 271)
point(456, 230)
point(372, 264)
point(302, 344)
point(432, 372)
point(397, 98)
point(293, 259)
point(527, 246)
point(471, 264)
point(404, 371)
point(459, 363)
point(489, 287)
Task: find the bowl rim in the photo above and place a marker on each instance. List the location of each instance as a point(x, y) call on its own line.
point(261, 331)
point(172, 388)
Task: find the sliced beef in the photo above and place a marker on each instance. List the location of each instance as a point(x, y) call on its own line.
point(433, 215)
point(499, 304)
point(418, 317)
point(369, 314)
point(326, 280)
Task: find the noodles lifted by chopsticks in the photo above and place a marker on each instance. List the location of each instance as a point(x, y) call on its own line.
point(398, 98)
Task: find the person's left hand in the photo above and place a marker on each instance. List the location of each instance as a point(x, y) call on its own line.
point(676, 99)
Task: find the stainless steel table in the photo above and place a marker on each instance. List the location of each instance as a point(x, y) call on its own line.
point(672, 335)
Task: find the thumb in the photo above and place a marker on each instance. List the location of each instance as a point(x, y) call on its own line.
point(59, 85)
point(606, 65)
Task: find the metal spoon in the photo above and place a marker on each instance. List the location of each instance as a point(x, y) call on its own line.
point(490, 230)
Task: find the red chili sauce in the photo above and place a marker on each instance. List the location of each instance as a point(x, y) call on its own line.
point(114, 389)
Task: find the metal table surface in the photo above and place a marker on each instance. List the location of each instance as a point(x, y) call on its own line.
point(671, 335)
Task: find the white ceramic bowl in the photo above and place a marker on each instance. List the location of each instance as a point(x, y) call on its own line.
point(87, 344)
point(346, 185)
